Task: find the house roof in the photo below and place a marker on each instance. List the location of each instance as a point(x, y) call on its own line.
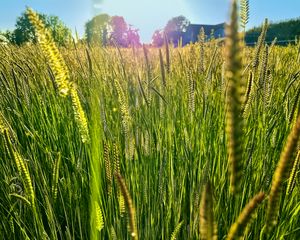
point(207, 28)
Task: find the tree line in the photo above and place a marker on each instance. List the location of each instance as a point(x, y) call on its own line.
point(115, 31)
point(282, 31)
point(102, 29)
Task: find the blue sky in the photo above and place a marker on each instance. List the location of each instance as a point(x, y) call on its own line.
point(147, 15)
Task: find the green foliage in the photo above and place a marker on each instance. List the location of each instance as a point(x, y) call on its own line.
point(5, 36)
point(118, 33)
point(24, 32)
point(175, 28)
point(285, 30)
point(177, 24)
point(96, 30)
point(157, 38)
point(105, 30)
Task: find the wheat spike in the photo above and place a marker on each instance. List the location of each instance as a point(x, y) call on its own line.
point(107, 169)
point(117, 171)
point(113, 233)
point(264, 73)
point(12, 224)
point(247, 98)
point(20, 162)
point(22, 168)
point(129, 204)
point(191, 91)
point(149, 75)
point(295, 106)
point(244, 13)
point(268, 87)
point(293, 174)
point(124, 106)
point(161, 184)
point(60, 71)
point(259, 46)
point(3, 125)
point(208, 230)
point(162, 69)
point(281, 174)
point(238, 228)
point(116, 159)
point(55, 176)
point(52, 53)
point(79, 114)
point(234, 121)
point(126, 120)
point(176, 231)
point(121, 202)
point(99, 217)
point(168, 64)
point(202, 50)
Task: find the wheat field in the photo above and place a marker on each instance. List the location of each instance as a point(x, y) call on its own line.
point(194, 142)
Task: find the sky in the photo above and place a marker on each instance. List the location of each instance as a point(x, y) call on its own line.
point(146, 15)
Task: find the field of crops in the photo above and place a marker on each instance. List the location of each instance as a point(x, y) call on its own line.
point(147, 143)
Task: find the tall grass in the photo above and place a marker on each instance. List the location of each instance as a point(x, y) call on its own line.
point(166, 149)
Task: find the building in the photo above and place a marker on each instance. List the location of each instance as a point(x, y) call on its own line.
point(193, 31)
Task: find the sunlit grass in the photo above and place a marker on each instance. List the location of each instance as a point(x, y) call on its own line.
point(175, 149)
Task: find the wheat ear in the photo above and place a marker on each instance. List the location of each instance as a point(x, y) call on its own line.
point(52, 53)
point(129, 204)
point(234, 121)
point(238, 228)
point(208, 230)
point(281, 174)
point(293, 175)
point(79, 114)
point(176, 231)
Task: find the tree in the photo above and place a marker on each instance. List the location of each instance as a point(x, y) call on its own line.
point(6, 37)
point(60, 32)
point(158, 38)
point(133, 37)
point(177, 24)
point(175, 28)
point(283, 31)
point(96, 30)
point(3, 39)
point(24, 31)
point(119, 30)
point(114, 30)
